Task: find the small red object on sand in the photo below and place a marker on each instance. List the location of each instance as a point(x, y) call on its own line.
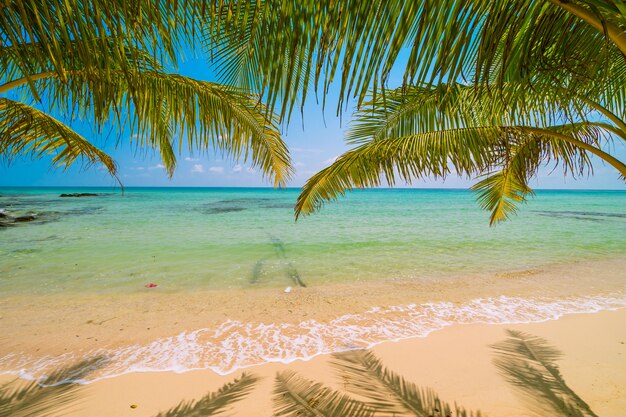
point(151, 285)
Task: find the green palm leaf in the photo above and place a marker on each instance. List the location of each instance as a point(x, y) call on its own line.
point(215, 403)
point(417, 132)
point(280, 45)
point(169, 111)
point(25, 130)
point(435, 154)
point(159, 26)
point(295, 396)
point(528, 363)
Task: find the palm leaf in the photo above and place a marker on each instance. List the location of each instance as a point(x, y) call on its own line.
point(390, 394)
point(280, 44)
point(215, 403)
point(158, 26)
point(25, 130)
point(417, 132)
point(528, 362)
point(168, 111)
point(295, 396)
point(468, 151)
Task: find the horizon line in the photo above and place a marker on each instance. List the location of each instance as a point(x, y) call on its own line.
point(285, 188)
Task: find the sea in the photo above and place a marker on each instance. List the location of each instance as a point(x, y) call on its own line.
point(189, 240)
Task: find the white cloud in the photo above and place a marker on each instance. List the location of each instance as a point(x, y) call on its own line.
point(250, 170)
point(197, 168)
point(157, 166)
point(217, 170)
point(298, 164)
point(189, 159)
point(237, 168)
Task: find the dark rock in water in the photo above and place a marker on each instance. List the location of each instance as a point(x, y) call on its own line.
point(5, 225)
point(3, 214)
point(80, 195)
point(27, 218)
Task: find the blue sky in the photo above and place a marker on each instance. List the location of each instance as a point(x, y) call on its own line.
point(312, 148)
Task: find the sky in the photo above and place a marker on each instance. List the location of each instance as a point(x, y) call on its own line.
point(314, 140)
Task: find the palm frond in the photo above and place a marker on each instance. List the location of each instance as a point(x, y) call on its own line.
point(168, 112)
point(467, 151)
point(279, 45)
point(25, 130)
point(429, 131)
point(48, 396)
point(297, 397)
point(390, 394)
point(159, 26)
point(529, 363)
point(215, 403)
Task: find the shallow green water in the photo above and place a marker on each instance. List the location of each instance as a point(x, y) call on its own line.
point(187, 239)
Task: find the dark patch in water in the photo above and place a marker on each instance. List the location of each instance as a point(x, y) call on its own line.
point(257, 271)
point(293, 274)
point(580, 215)
point(279, 247)
point(281, 253)
point(82, 211)
point(78, 195)
point(279, 206)
point(240, 204)
point(249, 201)
point(27, 251)
point(220, 210)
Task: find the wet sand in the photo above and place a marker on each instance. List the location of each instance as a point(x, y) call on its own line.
point(456, 362)
point(77, 323)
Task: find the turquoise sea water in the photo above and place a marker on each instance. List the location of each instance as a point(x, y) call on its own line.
point(193, 238)
point(82, 251)
point(190, 238)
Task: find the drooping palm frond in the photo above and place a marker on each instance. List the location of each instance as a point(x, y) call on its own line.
point(215, 403)
point(525, 151)
point(166, 111)
point(435, 154)
point(416, 132)
point(276, 46)
point(23, 63)
point(48, 396)
point(26, 131)
point(297, 397)
point(528, 363)
point(159, 26)
point(282, 48)
point(389, 393)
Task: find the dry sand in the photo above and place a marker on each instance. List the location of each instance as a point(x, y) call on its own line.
point(456, 362)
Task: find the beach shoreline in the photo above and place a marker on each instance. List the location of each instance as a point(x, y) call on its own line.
point(456, 362)
point(226, 331)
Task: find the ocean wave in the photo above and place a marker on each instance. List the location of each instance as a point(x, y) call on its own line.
point(235, 345)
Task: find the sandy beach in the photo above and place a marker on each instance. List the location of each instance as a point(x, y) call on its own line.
point(455, 362)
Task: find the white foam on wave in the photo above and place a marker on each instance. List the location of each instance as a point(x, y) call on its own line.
point(235, 345)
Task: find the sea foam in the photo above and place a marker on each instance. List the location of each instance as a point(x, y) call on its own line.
point(235, 345)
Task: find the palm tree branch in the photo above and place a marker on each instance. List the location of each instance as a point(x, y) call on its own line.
point(614, 32)
point(25, 130)
point(162, 107)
